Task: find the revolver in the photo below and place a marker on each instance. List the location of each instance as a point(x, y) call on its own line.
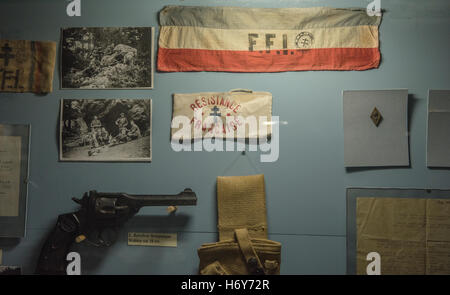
point(99, 213)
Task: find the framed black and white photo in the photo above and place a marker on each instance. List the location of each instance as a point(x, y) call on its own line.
point(106, 130)
point(107, 58)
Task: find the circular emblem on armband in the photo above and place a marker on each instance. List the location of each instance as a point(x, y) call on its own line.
point(304, 40)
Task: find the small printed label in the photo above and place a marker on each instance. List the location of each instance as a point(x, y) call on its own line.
point(152, 239)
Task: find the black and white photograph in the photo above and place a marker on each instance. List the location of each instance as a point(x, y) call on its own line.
point(107, 58)
point(106, 130)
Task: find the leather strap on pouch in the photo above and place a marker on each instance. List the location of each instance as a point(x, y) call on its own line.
point(252, 260)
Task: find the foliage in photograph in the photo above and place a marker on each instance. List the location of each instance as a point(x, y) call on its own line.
point(107, 58)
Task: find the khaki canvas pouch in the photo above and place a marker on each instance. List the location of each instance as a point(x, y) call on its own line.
point(243, 246)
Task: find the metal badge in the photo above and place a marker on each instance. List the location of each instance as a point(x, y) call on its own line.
point(376, 117)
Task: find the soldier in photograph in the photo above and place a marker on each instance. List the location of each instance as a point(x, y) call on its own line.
point(122, 137)
point(104, 136)
point(122, 122)
point(134, 132)
point(96, 126)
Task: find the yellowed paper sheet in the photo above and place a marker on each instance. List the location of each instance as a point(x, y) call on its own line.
point(241, 203)
point(438, 220)
point(10, 156)
point(438, 236)
point(412, 236)
point(223, 113)
point(152, 239)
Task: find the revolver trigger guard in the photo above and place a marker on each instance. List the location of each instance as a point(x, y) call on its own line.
point(107, 237)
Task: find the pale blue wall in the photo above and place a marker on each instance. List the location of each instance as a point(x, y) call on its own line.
point(305, 187)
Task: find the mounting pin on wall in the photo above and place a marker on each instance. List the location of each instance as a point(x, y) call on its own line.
point(376, 117)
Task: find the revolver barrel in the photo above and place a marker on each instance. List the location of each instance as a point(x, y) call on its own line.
point(185, 198)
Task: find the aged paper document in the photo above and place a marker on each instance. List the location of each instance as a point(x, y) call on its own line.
point(412, 236)
point(10, 157)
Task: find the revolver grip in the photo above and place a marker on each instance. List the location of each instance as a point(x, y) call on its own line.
point(52, 260)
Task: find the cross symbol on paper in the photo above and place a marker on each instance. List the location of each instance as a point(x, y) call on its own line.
point(215, 109)
point(6, 54)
